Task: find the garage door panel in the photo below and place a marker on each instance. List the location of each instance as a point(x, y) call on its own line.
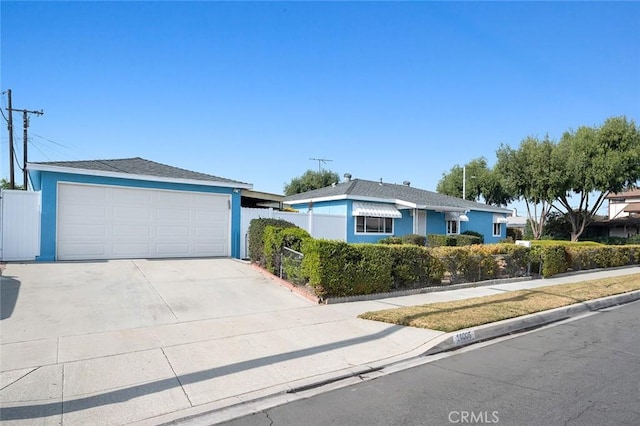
point(96, 212)
point(207, 248)
point(128, 213)
point(88, 231)
point(88, 250)
point(181, 232)
point(109, 222)
point(174, 214)
point(173, 250)
point(130, 249)
point(133, 197)
point(129, 232)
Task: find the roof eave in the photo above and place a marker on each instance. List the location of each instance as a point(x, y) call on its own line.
point(121, 175)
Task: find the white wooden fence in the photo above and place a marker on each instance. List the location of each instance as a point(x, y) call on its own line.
point(19, 225)
point(330, 227)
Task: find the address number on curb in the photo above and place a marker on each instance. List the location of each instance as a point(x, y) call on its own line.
point(464, 336)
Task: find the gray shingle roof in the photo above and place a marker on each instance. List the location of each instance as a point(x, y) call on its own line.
point(139, 166)
point(391, 191)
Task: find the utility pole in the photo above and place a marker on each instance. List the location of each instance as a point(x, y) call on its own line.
point(25, 124)
point(12, 179)
point(320, 162)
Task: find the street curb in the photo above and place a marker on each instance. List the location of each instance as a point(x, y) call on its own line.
point(468, 336)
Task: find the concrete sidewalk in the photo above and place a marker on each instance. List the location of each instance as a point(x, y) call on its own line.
point(165, 372)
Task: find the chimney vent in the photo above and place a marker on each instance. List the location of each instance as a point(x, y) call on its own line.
point(347, 177)
point(406, 183)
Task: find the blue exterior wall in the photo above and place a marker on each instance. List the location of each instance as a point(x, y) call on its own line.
point(404, 225)
point(436, 223)
point(335, 207)
point(47, 182)
point(479, 221)
point(482, 222)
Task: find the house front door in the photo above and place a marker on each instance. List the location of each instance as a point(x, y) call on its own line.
point(420, 222)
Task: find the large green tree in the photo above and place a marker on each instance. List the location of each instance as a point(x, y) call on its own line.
point(311, 179)
point(482, 183)
point(527, 173)
point(5, 184)
point(593, 162)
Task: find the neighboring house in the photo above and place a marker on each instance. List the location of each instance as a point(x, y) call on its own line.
point(134, 208)
point(517, 222)
point(375, 210)
point(624, 216)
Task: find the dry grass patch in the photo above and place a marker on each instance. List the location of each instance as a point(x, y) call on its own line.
point(452, 316)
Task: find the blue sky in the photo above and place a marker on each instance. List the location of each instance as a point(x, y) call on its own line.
point(251, 91)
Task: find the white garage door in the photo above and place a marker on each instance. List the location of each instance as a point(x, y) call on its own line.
point(111, 222)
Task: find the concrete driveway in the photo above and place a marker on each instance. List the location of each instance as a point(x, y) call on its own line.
point(149, 341)
point(52, 300)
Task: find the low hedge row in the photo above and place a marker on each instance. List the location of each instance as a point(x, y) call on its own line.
point(275, 238)
point(437, 240)
point(256, 237)
point(337, 269)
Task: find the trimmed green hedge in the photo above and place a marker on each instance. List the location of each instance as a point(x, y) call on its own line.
point(337, 269)
point(437, 240)
point(275, 238)
point(415, 266)
point(256, 238)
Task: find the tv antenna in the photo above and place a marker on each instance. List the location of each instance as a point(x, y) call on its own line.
point(320, 161)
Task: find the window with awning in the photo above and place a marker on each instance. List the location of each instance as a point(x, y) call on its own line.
point(376, 210)
point(497, 218)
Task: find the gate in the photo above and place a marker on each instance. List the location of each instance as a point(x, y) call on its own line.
point(19, 225)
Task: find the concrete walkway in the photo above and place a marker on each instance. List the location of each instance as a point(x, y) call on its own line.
point(168, 367)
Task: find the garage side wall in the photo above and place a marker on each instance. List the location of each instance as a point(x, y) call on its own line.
point(49, 187)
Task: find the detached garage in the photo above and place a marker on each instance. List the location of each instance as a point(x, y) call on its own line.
point(135, 208)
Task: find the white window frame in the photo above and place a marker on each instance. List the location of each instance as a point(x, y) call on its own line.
point(499, 228)
point(450, 225)
point(355, 225)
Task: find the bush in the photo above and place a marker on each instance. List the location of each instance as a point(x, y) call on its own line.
point(275, 238)
point(581, 257)
point(475, 234)
point(515, 233)
point(437, 240)
point(339, 269)
point(414, 266)
point(635, 239)
point(256, 231)
point(390, 240)
point(415, 239)
point(467, 264)
point(554, 260)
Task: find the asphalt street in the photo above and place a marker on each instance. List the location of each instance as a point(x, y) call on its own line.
point(582, 372)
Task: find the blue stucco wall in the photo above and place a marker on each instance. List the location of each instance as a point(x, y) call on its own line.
point(436, 223)
point(479, 221)
point(482, 222)
point(47, 182)
point(335, 207)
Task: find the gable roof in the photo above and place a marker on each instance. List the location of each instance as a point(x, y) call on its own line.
point(390, 192)
point(136, 168)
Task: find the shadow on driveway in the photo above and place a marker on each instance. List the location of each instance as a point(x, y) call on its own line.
point(9, 289)
point(134, 391)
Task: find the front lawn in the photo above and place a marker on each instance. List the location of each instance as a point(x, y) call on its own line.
point(452, 316)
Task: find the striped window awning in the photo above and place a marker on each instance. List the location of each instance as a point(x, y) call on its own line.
point(499, 219)
point(375, 210)
point(456, 216)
